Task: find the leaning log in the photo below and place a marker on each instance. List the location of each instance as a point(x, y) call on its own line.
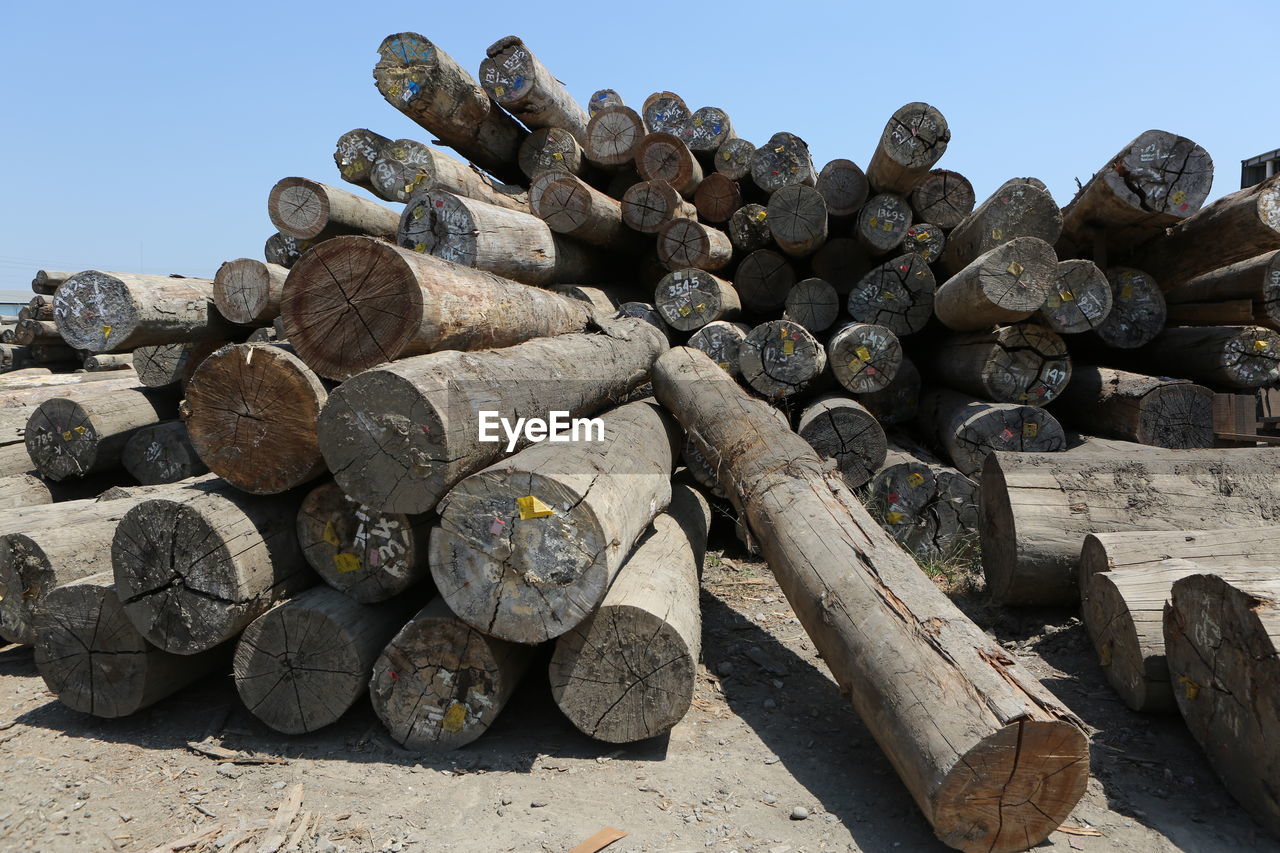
point(839, 428)
point(72, 437)
point(161, 453)
point(1163, 412)
point(914, 138)
point(968, 429)
point(1007, 284)
point(105, 312)
point(1016, 209)
point(515, 78)
point(248, 292)
point(1023, 363)
point(310, 210)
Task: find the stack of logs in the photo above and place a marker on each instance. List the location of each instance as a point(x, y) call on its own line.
point(315, 461)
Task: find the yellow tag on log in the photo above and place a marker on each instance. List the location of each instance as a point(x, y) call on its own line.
point(1015, 268)
point(1104, 655)
point(701, 306)
point(68, 435)
point(1066, 295)
point(997, 234)
point(79, 430)
point(1030, 430)
point(697, 122)
point(1261, 346)
point(398, 153)
point(1189, 687)
point(420, 247)
point(1126, 292)
point(762, 215)
point(685, 310)
point(779, 149)
point(788, 347)
point(922, 236)
point(454, 718)
point(724, 365)
point(106, 332)
point(1179, 197)
point(888, 294)
point(863, 353)
point(346, 563)
point(894, 517)
point(873, 221)
point(418, 213)
point(914, 480)
point(499, 91)
point(557, 156)
point(531, 507)
point(331, 535)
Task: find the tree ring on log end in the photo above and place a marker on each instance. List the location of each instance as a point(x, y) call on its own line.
point(92, 308)
point(61, 438)
point(298, 206)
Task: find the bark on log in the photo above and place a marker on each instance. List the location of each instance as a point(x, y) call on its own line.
point(721, 341)
point(628, 672)
point(526, 549)
point(839, 428)
point(355, 302)
point(812, 303)
point(367, 555)
point(1240, 357)
point(356, 152)
point(763, 279)
point(843, 187)
point(865, 358)
point(408, 167)
point(707, 129)
point(378, 460)
point(572, 207)
point(102, 312)
point(898, 294)
point(1037, 509)
point(1256, 279)
point(689, 299)
point(995, 774)
point(733, 159)
point(648, 205)
point(797, 219)
point(665, 112)
point(914, 138)
point(717, 198)
point(1079, 298)
point(515, 78)
point(602, 99)
point(170, 364)
point(72, 437)
point(882, 223)
point(311, 210)
point(926, 240)
point(301, 665)
point(968, 429)
point(161, 453)
point(749, 228)
point(251, 410)
point(783, 161)
point(944, 198)
point(248, 292)
point(95, 662)
point(552, 149)
point(1162, 412)
point(612, 137)
point(283, 249)
point(842, 262)
point(440, 683)
point(1007, 284)
point(1024, 363)
point(663, 157)
point(195, 565)
point(899, 401)
point(1016, 209)
point(428, 86)
point(780, 358)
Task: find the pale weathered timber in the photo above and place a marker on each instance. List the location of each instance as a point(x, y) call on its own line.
point(968, 429)
point(1172, 413)
point(898, 294)
point(302, 665)
point(842, 262)
point(780, 358)
point(1037, 508)
point(248, 292)
point(71, 437)
point(605, 299)
point(926, 240)
point(552, 149)
point(733, 159)
point(527, 548)
point(407, 167)
point(251, 412)
point(685, 243)
point(196, 564)
point(721, 341)
point(612, 137)
point(688, 299)
point(1079, 298)
point(797, 219)
point(1137, 312)
point(813, 303)
point(367, 555)
point(763, 279)
point(665, 112)
point(783, 161)
point(1232, 357)
point(1016, 209)
point(106, 312)
point(356, 153)
point(355, 302)
point(648, 205)
point(1023, 363)
point(172, 364)
point(864, 358)
point(439, 684)
point(839, 428)
point(161, 453)
point(1256, 279)
point(843, 187)
point(717, 198)
point(991, 774)
point(914, 138)
point(898, 402)
point(749, 228)
point(628, 671)
point(311, 210)
point(23, 490)
point(572, 207)
point(96, 662)
point(380, 462)
point(105, 361)
point(882, 223)
point(428, 86)
point(1009, 283)
point(664, 157)
point(944, 198)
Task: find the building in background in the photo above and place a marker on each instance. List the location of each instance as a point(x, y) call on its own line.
point(1255, 170)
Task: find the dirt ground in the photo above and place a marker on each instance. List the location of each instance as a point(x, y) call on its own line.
point(768, 733)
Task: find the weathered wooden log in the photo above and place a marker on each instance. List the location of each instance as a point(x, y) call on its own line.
point(721, 341)
point(1240, 357)
point(95, 662)
point(604, 299)
point(248, 292)
point(72, 437)
point(55, 353)
point(354, 302)
point(647, 313)
point(46, 281)
point(717, 198)
point(898, 294)
point(439, 683)
point(552, 149)
point(839, 428)
point(251, 411)
point(283, 249)
point(1079, 299)
point(602, 99)
point(28, 331)
point(367, 555)
point(780, 358)
point(969, 429)
point(195, 565)
point(1256, 279)
point(1220, 644)
point(882, 223)
point(1237, 312)
point(1137, 312)
point(381, 463)
point(1141, 550)
point(528, 547)
point(843, 186)
point(170, 364)
point(628, 672)
point(515, 78)
point(23, 490)
point(1113, 403)
point(763, 279)
point(926, 240)
point(689, 299)
point(572, 207)
point(407, 167)
point(1155, 181)
point(1009, 283)
point(944, 198)
point(301, 665)
point(1016, 209)
point(105, 312)
point(1024, 363)
point(100, 362)
point(685, 243)
point(797, 219)
point(663, 157)
point(707, 129)
point(812, 303)
point(864, 357)
point(665, 112)
point(733, 159)
point(311, 210)
point(995, 774)
point(20, 400)
point(161, 453)
point(428, 86)
point(929, 508)
point(1037, 509)
point(749, 228)
point(648, 205)
point(899, 401)
point(612, 136)
point(356, 153)
point(783, 161)
point(914, 138)
point(842, 262)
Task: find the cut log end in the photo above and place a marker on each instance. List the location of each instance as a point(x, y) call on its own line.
point(944, 198)
point(781, 358)
point(688, 299)
point(864, 357)
point(93, 307)
point(1079, 298)
point(299, 206)
point(247, 291)
point(898, 295)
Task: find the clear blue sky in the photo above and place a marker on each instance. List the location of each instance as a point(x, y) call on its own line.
point(145, 136)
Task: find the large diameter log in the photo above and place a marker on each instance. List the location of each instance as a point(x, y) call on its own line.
point(251, 412)
point(864, 357)
point(1079, 299)
point(380, 461)
point(717, 198)
point(301, 665)
point(355, 154)
point(733, 159)
point(367, 555)
point(882, 223)
point(72, 437)
point(993, 760)
point(248, 292)
point(612, 137)
point(1009, 283)
point(689, 299)
point(407, 167)
point(1137, 312)
point(813, 303)
point(944, 198)
point(528, 547)
point(354, 302)
point(843, 187)
point(783, 161)
point(439, 683)
point(780, 358)
point(1241, 357)
point(551, 149)
point(1037, 509)
point(1024, 363)
point(1256, 279)
point(721, 341)
point(1155, 181)
point(648, 205)
point(898, 294)
point(161, 453)
point(1117, 404)
point(311, 210)
point(1220, 644)
point(839, 428)
point(663, 157)
point(515, 245)
point(96, 662)
point(515, 78)
point(572, 207)
point(428, 86)
point(105, 312)
point(1016, 209)
point(898, 402)
point(969, 430)
point(914, 138)
point(194, 566)
point(797, 219)
point(763, 279)
point(685, 243)
point(628, 672)
point(172, 364)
